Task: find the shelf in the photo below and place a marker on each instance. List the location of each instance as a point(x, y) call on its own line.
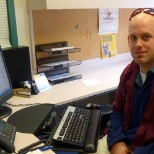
point(80, 4)
point(52, 59)
point(56, 48)
point(61, 50)
point(64, 77)
point(62, 64)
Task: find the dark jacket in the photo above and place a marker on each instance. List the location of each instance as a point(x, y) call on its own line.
point(123, 106)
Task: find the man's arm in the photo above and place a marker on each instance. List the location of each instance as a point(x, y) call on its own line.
point(120, 148)
point(149, 149)
point(116, 133)
point(116, 136)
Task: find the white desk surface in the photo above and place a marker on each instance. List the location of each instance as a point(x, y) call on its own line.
point(75, 90)
point(71, 91)
point(22, 140)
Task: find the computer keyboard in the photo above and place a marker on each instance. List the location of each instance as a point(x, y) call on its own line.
point(79, 128)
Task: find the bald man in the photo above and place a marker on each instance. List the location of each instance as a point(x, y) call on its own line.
point(132, 120)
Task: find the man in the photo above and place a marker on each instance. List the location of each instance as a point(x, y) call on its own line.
point(132, 120)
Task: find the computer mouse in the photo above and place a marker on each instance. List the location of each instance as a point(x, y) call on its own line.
point(93, 106)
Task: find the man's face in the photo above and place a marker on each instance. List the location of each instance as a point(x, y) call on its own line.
point(141, 39)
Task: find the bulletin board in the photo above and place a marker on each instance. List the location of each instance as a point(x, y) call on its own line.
point(79, 27)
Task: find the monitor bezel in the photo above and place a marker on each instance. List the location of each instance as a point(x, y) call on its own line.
point(4, 109)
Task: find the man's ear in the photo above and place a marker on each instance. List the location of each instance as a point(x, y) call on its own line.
point(128, 41)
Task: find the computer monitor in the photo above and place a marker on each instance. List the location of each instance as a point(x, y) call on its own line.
point(6, 90)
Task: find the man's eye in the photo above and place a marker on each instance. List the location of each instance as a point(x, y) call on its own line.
point(133, 38)
point(146, 37)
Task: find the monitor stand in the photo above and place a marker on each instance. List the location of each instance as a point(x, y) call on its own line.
point(5, 111)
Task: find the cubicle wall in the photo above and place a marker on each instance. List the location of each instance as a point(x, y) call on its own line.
point(80, 28)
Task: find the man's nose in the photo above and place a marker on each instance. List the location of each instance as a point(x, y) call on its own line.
point(139, 43)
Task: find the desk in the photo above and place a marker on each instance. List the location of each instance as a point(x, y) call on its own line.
point(71, 91)
point(74, 90)
point(22, 140)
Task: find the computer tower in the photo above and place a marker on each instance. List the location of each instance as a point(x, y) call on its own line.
point(18, 65)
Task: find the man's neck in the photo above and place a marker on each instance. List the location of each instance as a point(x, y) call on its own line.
point(145, 69)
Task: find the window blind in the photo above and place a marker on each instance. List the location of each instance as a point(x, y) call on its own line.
point(4, 30)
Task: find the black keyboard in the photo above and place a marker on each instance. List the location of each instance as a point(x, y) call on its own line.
point(79, 128)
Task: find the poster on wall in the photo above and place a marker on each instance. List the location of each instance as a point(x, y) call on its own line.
point(108, 21)
point(108, 45)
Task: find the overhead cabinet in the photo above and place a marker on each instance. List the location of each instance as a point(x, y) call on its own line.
point(85, 4)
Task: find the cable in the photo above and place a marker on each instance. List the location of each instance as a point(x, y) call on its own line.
point(33, 104)
point(22, 104)
point(30, 147)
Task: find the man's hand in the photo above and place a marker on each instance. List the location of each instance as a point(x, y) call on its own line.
point(120, 148)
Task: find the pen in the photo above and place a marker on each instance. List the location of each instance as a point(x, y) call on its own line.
point(46, 148)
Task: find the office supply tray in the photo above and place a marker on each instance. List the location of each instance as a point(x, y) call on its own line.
point(53, 60)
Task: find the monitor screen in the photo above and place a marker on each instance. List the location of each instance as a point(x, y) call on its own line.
point(6, 90)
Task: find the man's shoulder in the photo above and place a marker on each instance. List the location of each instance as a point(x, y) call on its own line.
point(131, 67)
point(130, 71)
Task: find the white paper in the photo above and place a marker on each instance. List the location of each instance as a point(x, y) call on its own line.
point(91, 82)
point(35, 152)
point(39, 152)
point(108, 21)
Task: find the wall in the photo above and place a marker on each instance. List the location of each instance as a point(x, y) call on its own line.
point(23, 26)
point(25, 33)
point(22, 20)
point(70, 24)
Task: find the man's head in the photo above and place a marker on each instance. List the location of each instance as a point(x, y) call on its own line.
point(141, 38)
